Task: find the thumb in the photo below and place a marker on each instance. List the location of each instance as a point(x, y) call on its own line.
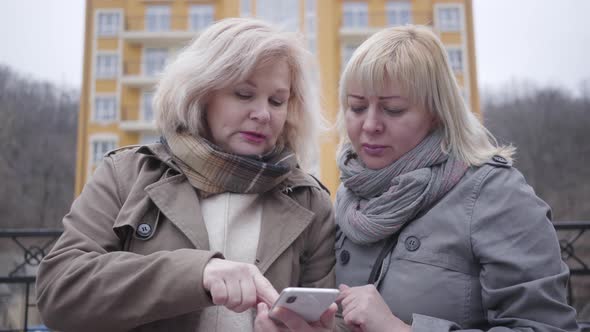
point(342, 295)
point(262, 308)
point(327, 318)
point(265, 292)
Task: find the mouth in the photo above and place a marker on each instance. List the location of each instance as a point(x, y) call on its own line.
point(253, 137)
point(374, 149)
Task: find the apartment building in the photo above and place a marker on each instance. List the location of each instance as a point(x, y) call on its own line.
point(127, 44)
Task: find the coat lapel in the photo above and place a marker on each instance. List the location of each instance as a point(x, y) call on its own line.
point(177, 199)
point(282, 222)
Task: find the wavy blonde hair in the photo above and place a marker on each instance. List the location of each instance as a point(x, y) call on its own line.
point(225, 54)
point(416, 58)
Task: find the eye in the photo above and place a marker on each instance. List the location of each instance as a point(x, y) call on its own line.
point(243, 95)
point(394, 111)
point(275, 102)
point(357, 109)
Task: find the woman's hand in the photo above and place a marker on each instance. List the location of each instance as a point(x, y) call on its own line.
point(292, 321)
point(365, 310)
point(237, 286)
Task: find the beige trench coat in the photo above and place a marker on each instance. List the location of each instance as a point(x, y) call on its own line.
point(134, 247)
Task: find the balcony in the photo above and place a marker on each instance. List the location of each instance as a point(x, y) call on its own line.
point(137, 120)
point(165, 31)
point(356, 27)
point(142, 75)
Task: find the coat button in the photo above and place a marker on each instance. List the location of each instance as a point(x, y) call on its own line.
point(412, 243)
point(344, 257)
point(144, 230)
point(500, 160)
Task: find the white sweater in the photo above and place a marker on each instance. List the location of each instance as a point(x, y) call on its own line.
point(233, 226)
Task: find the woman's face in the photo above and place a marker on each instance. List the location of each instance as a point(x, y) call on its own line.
point(248, 117)
point(383, 127)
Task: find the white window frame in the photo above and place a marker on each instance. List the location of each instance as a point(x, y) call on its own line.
point(359, 12)
point(162, 17)
point(108, 31)
point(246, 8)
point(97, 116)
point(452, 52)
point(143, 106)
point(146, 68)
point(311, 21)
point(93, 161)
point(442, 24)
point(395, 9)
point(110, 72)
point(284, 13)
point(199, 16)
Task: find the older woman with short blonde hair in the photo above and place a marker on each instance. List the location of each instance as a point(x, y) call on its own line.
point(196, 231)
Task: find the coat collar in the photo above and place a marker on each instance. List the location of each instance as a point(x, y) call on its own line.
point(282, 220)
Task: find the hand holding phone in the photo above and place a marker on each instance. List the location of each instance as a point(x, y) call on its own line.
point(309, 303)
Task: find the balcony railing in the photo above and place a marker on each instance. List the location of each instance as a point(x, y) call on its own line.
point(34, 245)
point(162, 30)
point(352, 32)
point(143, 74)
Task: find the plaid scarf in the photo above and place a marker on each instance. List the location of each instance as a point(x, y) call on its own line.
point(372, 205)
point(213, 171)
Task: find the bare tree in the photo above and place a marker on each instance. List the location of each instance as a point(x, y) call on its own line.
point(550, 129)
point(37, 151)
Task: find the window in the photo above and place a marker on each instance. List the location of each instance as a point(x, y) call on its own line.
point(310, 24)
point(456, 58)
point(448, 18)
point(355, 14)
point(105, 109)
point(99, 146)
point(109, 23)
point(149, 139)
point(201, 16)
point(147, 112)
point(157, 18)
point(347, 51)
point(245, 8)
point(155, 60)
point(284, 13)
point(399, 13)
point(107, 65)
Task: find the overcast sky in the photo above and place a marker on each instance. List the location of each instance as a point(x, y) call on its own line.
point(543, 41)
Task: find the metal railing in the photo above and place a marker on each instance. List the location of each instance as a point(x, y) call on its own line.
point(35, 244)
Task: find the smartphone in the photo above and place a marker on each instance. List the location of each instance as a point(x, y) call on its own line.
point(309, 303)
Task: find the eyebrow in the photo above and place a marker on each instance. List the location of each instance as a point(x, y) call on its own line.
point(380, 98)
point(281, 90)
point(355, 96)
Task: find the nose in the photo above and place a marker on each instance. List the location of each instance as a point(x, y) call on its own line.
point(260, 112)
point(373, 124)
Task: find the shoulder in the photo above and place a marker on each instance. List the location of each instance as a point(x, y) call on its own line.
point(135, 155)
point(307, 190)
point(498, 174)
point(143, 163)
point(502, 195)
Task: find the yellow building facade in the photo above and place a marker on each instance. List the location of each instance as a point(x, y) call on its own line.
point(127, 43)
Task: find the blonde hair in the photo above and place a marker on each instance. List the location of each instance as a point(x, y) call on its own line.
point(227, 53)
point(415, 58)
